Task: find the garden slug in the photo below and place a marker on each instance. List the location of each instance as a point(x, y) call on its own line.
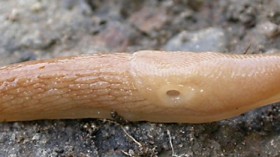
point(155, 86)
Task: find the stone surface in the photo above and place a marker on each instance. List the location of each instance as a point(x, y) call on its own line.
point(210, 39)
point(38, 29)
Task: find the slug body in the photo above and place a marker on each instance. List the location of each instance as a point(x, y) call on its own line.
point(154, 86)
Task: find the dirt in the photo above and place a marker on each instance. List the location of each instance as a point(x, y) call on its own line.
point(41, 29)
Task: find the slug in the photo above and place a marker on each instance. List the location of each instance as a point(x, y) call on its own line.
point(155, 86)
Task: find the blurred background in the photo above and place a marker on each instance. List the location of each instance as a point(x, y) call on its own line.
point(42, 29)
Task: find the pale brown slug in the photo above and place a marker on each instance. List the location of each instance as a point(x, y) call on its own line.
point(154, 86)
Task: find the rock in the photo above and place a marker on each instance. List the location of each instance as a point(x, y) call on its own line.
point(37, 7)
point(244, 12)
point(149, 19)
point(257, 39)
point(269, 29)
point(211, 39)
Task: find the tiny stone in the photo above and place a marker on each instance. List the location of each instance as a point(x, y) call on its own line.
point(36, 137)
point(36, 7)
point(14, 15)
point(269, 29)
point(131, 152)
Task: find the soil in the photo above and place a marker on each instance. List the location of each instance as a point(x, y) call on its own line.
point(41, 29)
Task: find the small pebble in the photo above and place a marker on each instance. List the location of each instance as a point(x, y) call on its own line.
point(37, 7)
point(14, 15)
point(269, 29)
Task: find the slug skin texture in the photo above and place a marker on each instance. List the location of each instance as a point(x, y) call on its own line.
point(155, 86)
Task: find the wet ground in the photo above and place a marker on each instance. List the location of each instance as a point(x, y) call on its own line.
point(41, 29)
